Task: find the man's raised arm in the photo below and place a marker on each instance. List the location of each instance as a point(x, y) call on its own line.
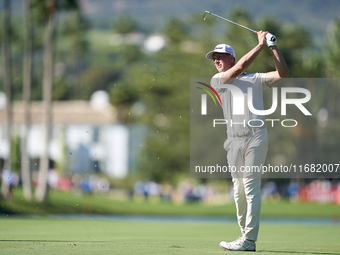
point(281, 72)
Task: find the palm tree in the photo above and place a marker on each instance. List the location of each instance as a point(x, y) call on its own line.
point(27, 79)
point(52, 9)
point(7, 87)
point(47, 100)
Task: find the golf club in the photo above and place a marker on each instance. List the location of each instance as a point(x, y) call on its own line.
point(208, 12)
point(269, 35)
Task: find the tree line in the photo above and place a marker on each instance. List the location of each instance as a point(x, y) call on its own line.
point(33, 45)
point(56, 31)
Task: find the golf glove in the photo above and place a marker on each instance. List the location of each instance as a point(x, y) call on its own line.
point(270, 39)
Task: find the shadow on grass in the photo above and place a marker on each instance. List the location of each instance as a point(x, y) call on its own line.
point(52, 241)
point(299, 252)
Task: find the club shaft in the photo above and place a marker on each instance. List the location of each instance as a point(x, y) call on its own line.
point(207, 12)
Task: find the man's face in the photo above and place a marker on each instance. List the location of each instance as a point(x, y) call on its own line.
point(223, 61)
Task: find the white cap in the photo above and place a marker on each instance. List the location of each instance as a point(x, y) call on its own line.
point(221, 48)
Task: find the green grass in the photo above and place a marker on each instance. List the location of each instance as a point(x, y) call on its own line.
point(69, 203)
point(96, 236)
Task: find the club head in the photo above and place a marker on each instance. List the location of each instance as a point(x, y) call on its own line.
point(205, 14)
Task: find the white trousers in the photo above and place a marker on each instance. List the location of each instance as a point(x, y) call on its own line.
point(245, 153)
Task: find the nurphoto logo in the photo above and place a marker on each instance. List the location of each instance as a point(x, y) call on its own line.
point(239, 100)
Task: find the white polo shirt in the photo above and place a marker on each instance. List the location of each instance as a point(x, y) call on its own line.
point(247, 120)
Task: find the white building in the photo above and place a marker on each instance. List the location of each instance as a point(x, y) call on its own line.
point(85, 136)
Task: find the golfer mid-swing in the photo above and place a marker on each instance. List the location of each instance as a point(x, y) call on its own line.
point(247, 141)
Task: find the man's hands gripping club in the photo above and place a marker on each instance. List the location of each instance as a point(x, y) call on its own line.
point(266, 37)
point(270, 39)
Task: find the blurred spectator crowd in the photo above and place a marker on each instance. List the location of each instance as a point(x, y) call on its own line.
point(188, 190)
point(85, 183)
point(316, 191)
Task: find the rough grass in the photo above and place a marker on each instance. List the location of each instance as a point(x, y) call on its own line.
point(69, 203)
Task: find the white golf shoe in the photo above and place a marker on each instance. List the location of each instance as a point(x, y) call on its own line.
point(240, 244)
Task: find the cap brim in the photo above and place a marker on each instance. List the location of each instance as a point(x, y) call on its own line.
point(210, 55)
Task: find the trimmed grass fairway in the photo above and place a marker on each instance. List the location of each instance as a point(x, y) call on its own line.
point(111, 236)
